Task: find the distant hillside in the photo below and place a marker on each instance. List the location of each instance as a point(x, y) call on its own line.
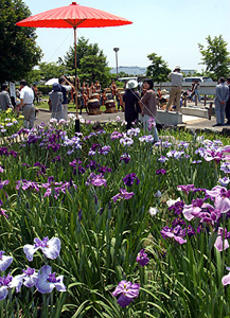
point(130, 70)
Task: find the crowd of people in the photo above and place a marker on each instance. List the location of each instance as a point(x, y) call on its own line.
point(139, 102)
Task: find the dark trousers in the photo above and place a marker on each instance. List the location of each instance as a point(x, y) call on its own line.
point(227, 111)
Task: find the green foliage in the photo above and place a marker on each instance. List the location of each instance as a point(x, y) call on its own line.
point(44, 89)
point(91, 62)
point(216, 57)
point(158, 70)
point(33, 76)
point(51, 70)
point(18, 49)
point(46, 71)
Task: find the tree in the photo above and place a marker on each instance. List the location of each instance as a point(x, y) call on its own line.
point(158, 70)
point(33, 76)
point(91, 62)
point(216, 57)
point(51, 70)
point(18, 49)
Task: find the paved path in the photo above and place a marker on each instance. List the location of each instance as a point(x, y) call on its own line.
point(190, 122)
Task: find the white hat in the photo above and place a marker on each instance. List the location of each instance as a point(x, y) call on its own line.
point(177, 67)
point(164, 92)
point(132, 84)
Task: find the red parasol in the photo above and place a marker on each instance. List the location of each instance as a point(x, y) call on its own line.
point(73, 16)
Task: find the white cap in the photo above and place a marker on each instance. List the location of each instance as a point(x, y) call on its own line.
point(132, 84)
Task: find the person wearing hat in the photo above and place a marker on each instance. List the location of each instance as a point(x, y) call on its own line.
point(148, 106)
point(130, 99)
point(56, 101)
point(176, 79)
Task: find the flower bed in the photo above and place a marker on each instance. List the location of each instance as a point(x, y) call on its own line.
point(132, 228)
point(9, 123)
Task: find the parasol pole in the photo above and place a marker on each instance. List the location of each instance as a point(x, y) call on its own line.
point(77, 121)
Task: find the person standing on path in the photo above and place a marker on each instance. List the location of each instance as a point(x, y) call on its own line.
point(64, 89)
point(56, 99)
point(5, 101)
point(222, 95)
point(26, 104)
point(131, 99)
point(195, 92)
point(175, 93)
point(148, 106)
point(227, 110)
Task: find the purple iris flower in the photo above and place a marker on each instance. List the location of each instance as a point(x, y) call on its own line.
point(225, 167)
point(96, 180)
point(116, 135)
point(176, 233)
point(50, 248)
point(162, 159)
point(217, 154)
point(95, 147)
point(57, 158)
point(175, 154)
point(191, 211)
point(126, 292)
point(123, 194)
point(129, 179)
point(226, 278)
point(133, 132)
point(224, 181)
point(142, 258)
point(196, 162)
point(105, 150)
point(151, 123)
point(221, 242)
point(47, 281)
point(160, 171)
point(3, 183)
point(186, 188)
point(126, 141)
point(5, 261)
point(125, 157)
point(176, 206)
point(28, 279)
point(147, 139)
point(5, 284)
point(3, 213)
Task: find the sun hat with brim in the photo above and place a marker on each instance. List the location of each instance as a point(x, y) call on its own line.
point(132, 84)
point(164, 92)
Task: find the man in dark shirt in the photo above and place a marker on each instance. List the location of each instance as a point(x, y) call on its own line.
point(131, 98)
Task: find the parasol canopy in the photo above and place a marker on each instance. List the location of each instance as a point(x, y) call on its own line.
point(51, 81)
point(73, 16)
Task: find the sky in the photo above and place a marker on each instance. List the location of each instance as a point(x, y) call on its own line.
point(169, 28)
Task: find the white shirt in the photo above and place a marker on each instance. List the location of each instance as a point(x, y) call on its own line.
point(67, 87)
point(176, 79)
point(27, 94)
